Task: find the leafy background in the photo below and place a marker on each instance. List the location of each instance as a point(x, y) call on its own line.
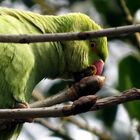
point(122, 72)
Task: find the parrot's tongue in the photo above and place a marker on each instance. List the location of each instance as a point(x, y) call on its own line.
point(99, 66)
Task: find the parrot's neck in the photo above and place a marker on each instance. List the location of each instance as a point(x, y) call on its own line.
point(50, 57)
point(49, 60)
point(55, 59)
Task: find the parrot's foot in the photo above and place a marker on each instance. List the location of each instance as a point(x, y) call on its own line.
point(89, 71)
point(83, 104)
point(8, 124)
point(23, 105)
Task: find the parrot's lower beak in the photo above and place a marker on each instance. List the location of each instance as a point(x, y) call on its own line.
point(95, 69)
point(99, 64)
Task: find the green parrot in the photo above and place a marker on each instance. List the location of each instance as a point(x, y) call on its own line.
point(22, 66)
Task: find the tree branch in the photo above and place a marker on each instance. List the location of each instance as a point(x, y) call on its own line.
point(67, 110)
point(86, 86)
point(110, 32)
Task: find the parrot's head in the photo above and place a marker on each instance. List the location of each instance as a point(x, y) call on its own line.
point(86, 57)
point(92, 58)
point(97, 54)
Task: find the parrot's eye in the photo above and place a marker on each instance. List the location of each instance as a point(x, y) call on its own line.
point(93, 45)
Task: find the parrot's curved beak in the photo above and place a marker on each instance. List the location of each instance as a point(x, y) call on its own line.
point(95, 69)
point(99, 64)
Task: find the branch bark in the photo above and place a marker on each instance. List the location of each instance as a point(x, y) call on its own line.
point(109, 32)
point(67, 110)
point(86, 86)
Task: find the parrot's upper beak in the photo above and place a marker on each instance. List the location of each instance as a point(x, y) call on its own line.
point(95, 69)
point(99, 66)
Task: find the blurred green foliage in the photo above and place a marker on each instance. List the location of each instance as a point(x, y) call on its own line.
point(129, 77)
point(107, 115)
point(28, 3)
point(133, 6)
point(112, 11)
point(129, 71)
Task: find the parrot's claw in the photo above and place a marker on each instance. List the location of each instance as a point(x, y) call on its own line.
point(23, 105)
point(89, 71)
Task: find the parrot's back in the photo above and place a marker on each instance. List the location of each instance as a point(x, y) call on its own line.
point(17, 62)
point(13, 74)
point(16, 68)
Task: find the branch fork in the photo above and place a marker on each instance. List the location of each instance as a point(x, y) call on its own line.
point(69, 109)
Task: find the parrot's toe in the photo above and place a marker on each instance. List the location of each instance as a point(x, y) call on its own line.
point(89, 71)
point(24, 105)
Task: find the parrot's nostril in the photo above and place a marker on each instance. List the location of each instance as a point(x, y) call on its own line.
point(99, 66)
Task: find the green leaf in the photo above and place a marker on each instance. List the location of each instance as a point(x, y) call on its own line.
point(129, 77)
point(129, 72)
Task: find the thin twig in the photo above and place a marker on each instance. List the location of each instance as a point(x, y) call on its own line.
point(126, 11)
point(110, 32)
point(102, 135)
point(52, 100)
point(37, 96)
point(86, 86)
point(67, 110)
point(85, 126)
point(129, 19)
point(59, 132)
point(43, 121)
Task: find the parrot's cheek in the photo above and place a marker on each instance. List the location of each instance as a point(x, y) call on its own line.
point(99, 66)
